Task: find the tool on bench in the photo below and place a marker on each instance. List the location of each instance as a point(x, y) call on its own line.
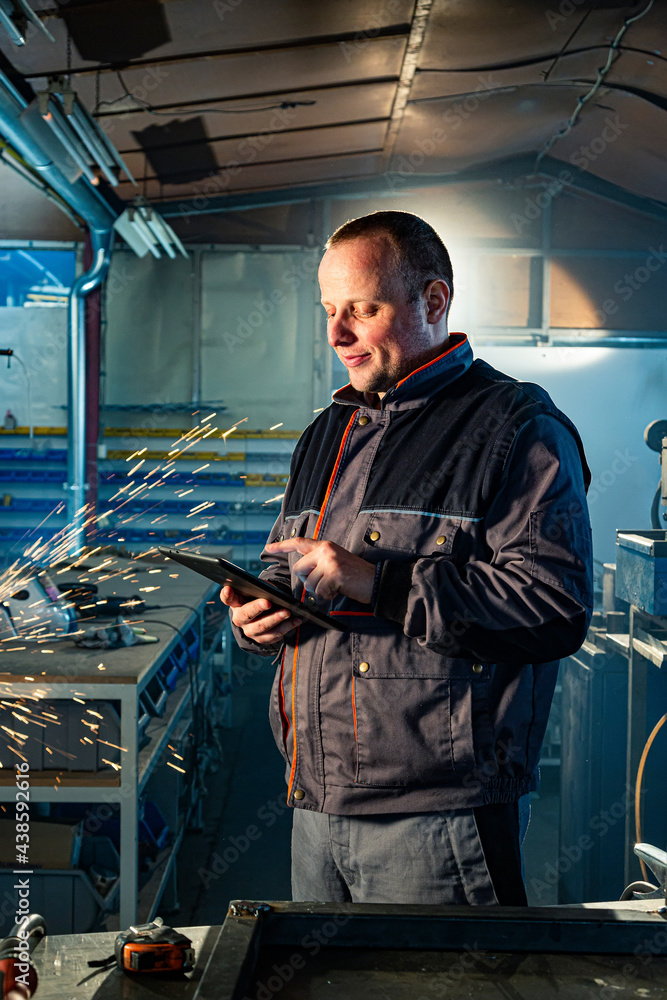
point(656, 859)
point(151, 947)
point(18, 978)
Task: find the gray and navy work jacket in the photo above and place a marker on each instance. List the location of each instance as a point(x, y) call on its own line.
point(468, 488)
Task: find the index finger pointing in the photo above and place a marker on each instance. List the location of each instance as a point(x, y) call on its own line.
point(302, 545)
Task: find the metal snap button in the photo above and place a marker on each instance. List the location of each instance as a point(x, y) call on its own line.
point(299, 794)
point(477, 668)
point(440, 540)
point(374, 535)
point(293, 532)
point(311, 599)
point(363, 421)
point(363, 667)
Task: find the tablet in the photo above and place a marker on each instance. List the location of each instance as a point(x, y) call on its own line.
point(227, 574)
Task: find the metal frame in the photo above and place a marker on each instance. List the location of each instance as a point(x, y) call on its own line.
point(249, 926)
point(641, 674)
point(137, 765)
point(512, 170)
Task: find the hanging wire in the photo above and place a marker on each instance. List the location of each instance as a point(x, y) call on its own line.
point(638, 788)
point(143, 105)
point(97, 89)
point(602, 72)
point(575, 31)
point(69, 57)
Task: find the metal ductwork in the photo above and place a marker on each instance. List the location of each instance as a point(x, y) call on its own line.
point(32, 145)
point(31, 137)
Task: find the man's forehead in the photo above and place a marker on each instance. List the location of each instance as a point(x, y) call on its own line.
point(360, 262)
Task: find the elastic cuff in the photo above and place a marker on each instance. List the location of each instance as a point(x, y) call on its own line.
point(393, 591)
point(376, 583)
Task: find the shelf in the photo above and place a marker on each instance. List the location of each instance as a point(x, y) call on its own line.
point(159, 729)
point(67, 779)
point(151, 892)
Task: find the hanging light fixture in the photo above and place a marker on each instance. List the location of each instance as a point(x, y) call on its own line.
point(15, 16)
point(144, 230)
point(79, 133)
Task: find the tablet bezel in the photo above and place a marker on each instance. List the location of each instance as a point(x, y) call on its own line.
point(228, 574)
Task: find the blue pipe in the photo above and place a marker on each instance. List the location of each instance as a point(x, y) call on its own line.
point(79, 195)
point(76, 387)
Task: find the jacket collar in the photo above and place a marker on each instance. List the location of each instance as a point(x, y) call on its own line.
point(415, 389)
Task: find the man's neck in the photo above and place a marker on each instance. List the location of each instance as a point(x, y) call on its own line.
point(373, 398)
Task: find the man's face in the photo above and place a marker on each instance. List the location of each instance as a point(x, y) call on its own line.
point(378, 335)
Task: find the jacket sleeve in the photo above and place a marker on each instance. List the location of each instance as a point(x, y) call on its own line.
point(530, 600)
point(277, 573)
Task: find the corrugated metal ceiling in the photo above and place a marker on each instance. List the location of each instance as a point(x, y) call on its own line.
point(295, 92)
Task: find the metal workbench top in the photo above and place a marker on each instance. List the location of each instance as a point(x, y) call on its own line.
point(128, 665)
point(388, 952)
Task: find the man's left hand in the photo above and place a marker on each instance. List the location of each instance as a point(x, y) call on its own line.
point(327, 569)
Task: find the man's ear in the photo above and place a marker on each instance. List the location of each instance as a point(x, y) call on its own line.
point(437, 297)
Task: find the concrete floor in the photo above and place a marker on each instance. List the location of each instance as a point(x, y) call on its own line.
point(243, 850)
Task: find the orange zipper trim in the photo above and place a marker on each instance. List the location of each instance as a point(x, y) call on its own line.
point(354, 710)
point(439, 358)
point(334, 474)
point(359, 614)
point(281, 699)
point(291, 777)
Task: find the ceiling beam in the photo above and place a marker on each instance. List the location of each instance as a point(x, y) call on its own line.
point(284, 95)
point(391, 31)
point(510, 171)
point(408, 70)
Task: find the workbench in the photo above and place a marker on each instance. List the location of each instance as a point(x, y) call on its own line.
point(376, 952)
point(123, 676)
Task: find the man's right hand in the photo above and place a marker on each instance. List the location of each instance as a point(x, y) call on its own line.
point(258, 619)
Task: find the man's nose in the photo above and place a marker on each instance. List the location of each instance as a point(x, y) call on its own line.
point(338, 330)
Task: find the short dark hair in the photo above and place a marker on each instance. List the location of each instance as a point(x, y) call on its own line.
point(421, 256)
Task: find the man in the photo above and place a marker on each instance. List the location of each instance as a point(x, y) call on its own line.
point(437, 508)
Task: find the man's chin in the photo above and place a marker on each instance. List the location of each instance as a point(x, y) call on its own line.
point(369, 382)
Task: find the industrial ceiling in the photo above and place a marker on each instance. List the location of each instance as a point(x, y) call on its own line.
point(207, 99)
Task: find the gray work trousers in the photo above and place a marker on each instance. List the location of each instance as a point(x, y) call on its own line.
point(396, 858)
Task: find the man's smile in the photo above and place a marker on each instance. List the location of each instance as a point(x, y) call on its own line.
point(352, 360)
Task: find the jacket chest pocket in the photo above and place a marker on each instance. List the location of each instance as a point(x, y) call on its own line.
point(410, 533)
point(413, 712)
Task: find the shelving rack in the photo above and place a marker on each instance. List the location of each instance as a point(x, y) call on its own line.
point(130, 678)
point(245, 475)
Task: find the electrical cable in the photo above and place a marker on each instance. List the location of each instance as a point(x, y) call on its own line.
point(193, 691)
point(602, 72)
point(655, 507)
point(545, 75)
point(179, 110)
point(159, 607)
point(638, 787)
